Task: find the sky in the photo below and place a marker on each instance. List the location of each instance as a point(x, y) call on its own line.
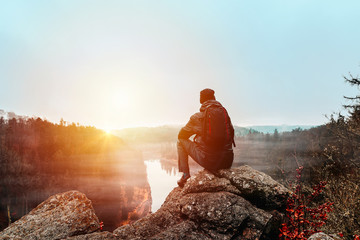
point(118, 64)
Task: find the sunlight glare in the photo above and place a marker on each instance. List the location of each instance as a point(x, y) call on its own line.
point(107, 131)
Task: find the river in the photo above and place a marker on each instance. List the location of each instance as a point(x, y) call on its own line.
point(161, 182)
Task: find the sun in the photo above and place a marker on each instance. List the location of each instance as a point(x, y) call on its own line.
point(107, 131)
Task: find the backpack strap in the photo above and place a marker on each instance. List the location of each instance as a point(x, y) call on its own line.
point(204, 127)
point(228, 121)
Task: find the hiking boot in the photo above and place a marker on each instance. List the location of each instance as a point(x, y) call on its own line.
point(183, 179)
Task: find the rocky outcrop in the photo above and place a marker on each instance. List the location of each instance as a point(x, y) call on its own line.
point(239, 203)
point(60, 216)
point(257, 187)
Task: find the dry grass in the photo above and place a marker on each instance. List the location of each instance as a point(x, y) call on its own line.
point(345, 193)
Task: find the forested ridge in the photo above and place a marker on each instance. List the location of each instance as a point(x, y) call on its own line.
point(38, 158)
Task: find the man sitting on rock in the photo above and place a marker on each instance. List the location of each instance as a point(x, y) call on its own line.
point(212, 145)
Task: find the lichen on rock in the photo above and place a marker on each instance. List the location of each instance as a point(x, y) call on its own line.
point(60, 216)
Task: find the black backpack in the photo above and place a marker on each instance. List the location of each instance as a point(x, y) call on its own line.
point(217, 128)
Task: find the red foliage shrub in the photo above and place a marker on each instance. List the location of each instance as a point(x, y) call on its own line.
point(303, 216)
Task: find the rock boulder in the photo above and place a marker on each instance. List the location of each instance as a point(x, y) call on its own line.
point(60, 216)
point(238, 203)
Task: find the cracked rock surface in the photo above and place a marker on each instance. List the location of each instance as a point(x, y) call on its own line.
point(239, 203)
point(60, 216)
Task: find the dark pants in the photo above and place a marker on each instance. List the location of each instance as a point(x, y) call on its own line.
point(210, 162)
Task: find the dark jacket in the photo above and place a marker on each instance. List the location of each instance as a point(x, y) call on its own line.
point(218, 159)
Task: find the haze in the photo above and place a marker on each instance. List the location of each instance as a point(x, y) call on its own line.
point(116, 64)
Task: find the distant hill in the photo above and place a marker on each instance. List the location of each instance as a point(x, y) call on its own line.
point(148, 134)
point(280, 128)
point(241, 131)
point(169, 133)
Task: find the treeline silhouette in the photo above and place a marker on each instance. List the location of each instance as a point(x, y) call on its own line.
point(279, 154)
point(39, 158)
point(326, 152)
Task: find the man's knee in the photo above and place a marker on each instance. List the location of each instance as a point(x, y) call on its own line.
point(182, 143)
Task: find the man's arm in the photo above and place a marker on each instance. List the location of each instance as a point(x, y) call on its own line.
point(192, 127)
point(184, 134)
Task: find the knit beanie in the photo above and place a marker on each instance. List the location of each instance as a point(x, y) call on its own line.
point(207, 94)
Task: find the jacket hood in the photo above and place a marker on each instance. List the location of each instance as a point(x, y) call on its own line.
point(209, 103)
